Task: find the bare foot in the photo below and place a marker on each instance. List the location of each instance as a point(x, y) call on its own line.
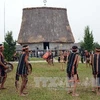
point(25, 92)
point(22, 94)
point(75, 94)
point(93, 90)
point(2, 88)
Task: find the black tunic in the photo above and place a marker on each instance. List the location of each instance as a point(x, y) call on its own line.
point(21, 68)
point(2, 70)
point(71, 63)
point(96, 64)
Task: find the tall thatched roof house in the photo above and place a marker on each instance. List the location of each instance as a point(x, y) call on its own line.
point(45, 27)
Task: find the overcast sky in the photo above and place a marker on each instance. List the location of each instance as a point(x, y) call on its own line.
point(80, 14)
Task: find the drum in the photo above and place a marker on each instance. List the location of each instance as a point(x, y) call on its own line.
point(46, 55)
point(10, 67)
point(29, 68)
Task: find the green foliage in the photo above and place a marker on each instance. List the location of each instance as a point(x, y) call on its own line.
point(88, 42)
point(96, 44)
point(88, 39)
point(9, 46)
point(82, 45)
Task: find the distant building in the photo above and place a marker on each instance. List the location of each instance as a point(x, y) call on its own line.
point(45, 28)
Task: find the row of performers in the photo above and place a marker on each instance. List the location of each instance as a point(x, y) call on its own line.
point(23, 70)
point(72, 65)
point(71, 70)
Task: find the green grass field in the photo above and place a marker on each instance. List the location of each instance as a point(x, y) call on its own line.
point(35, 59)
point(43, 70)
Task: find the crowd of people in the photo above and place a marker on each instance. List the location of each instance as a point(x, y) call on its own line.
point(66, 58)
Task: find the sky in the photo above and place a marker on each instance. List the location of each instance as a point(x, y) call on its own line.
point(80, 14)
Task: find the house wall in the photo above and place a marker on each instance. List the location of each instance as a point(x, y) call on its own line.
point(52, 46)
point(61, 46)
point(35, 46)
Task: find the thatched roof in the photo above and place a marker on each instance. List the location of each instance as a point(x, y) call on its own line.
point(45, 24)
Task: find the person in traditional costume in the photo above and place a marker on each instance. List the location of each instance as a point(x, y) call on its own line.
point(3, 74)
point(65, 56)
point(50, 58)
point(62, 60)
point(95, 62)
point(22, 69)
point(17, 75)
point(87, 58)
point(72, 64)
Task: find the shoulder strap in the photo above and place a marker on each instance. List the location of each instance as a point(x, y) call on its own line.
point(76, 57)
point(91, 59)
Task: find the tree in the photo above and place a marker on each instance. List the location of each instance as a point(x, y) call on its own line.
point(10, 46)
point(96, 44)
point(88, 39)
point(81, 44)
